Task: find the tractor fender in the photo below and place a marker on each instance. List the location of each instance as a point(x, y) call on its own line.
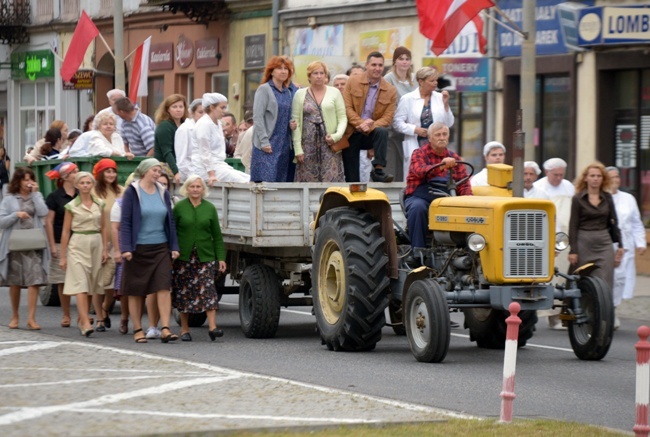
point(422, 272)
point(374, 202)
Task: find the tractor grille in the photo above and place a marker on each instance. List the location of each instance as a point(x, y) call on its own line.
point(526, 244)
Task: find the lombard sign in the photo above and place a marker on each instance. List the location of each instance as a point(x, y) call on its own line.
point(32, 65)
point(549, 39)
point(255, 51)
point(614, 25)
point(466, 74)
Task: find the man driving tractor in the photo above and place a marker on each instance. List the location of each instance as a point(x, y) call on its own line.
point(428, 179)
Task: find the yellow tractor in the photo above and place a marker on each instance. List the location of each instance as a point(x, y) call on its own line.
point(485, 252)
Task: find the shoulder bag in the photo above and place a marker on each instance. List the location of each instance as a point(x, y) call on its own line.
point(341, 144)
point(27, 239)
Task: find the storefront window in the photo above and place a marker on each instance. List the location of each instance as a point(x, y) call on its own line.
point(156, 94)
point(36, 112)
point(552, 118)
point(469, 126)
point(220, 84)
point(252, 81)
point(632, 135)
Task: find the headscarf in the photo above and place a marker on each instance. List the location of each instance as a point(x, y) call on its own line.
point(61, 170)
point(213, 99)
point(493, 145)
point(533, 165)
point(195, 103)
point(145, 166)
point(103, 164)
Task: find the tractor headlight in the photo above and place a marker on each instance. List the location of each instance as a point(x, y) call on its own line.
point(561, 241)
point(476, 242)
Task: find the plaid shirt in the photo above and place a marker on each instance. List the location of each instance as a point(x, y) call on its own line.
point(423, 159)
point(139, 133)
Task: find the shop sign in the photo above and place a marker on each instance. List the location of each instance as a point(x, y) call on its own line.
point(82, 80)
point(32, 65)
point(161, 56)
point(384, 41)
point(549, 36)
point(465, 74)
point(465, 44)
point(321, 41)
point(184, 51)
point(254, 51)
point(207, 52)
point(614, 25)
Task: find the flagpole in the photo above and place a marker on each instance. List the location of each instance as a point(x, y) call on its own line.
point(514, 29)
point(107, 46)
point(129, 55)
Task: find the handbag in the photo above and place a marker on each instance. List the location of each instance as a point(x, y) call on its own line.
point(27, 239)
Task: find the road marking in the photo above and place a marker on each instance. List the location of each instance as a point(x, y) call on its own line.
point(31, 348)
point(284, 310)
point(226, 416)
point(36, 412)
point(84, 380)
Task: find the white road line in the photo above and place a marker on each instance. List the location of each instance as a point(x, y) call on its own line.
point(31, 348)
point(86, 380)
point(225, 416)
point(35, 412)
point(284, 310)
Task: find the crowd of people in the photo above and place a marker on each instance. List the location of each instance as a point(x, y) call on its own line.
point(101, 241)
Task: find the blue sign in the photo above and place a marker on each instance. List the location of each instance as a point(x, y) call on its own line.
point(549, 36)
point(614, 25)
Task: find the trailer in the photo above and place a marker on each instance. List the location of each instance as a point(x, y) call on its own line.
point(268, 232)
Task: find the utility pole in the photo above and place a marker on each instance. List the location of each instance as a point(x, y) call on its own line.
point(118, 42)
point(527, 97)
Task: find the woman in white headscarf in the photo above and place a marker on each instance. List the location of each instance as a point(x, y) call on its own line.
point(209, 154)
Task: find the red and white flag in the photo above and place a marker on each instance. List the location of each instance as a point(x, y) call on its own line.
point(442, 20)
point(138, 86)
point(84, 34)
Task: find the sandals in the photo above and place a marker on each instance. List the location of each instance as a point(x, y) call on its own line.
point(65, 322)
point(142, 339)
point(99, 327)
point(107, 320)
point(124, 327)
point(167, 338)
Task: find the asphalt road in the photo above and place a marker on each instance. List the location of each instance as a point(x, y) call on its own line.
point(550, 381)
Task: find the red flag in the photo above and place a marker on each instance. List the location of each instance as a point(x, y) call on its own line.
point(442, 20)
point(84, 33)
point(140, 71)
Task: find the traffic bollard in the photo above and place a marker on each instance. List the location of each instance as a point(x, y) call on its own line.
point(510, 363)
point(641, 427)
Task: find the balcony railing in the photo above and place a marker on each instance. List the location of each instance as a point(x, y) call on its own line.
point(14, 16)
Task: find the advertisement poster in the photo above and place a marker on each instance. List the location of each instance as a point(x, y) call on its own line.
point(321, 41)
point(384, 41)
point(465, 74)
point(335, 65)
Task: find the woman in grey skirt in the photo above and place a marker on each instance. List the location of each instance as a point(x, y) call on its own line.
point(593, 226)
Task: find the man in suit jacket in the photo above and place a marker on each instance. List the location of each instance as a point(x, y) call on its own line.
point(370, 106)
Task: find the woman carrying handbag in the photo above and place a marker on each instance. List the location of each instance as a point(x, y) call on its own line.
point(24, 252)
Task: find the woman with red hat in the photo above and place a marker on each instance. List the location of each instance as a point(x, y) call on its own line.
point(64, 173)
point(107, 189)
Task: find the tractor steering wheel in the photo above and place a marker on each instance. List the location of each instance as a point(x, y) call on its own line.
point(436, 187)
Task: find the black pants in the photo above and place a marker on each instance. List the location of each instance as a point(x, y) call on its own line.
point(377, 139)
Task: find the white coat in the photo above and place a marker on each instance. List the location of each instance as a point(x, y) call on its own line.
point(633, 234)
point(407, 118)
point(182, 147)
point(209, 152)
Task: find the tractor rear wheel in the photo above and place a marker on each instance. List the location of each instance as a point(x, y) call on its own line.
point(426, 320)
point(350, 288)
point(487, 327)
point(591, 340)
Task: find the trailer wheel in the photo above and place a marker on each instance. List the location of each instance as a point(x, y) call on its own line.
point(591, 340)
point(196, 320)
point(350, 283)
point(259, 302)
point(487, 327)
point(49, 295)
point(426, 318)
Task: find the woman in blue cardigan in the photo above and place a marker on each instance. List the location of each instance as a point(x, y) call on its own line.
point(320, 113)
point(148, 244)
